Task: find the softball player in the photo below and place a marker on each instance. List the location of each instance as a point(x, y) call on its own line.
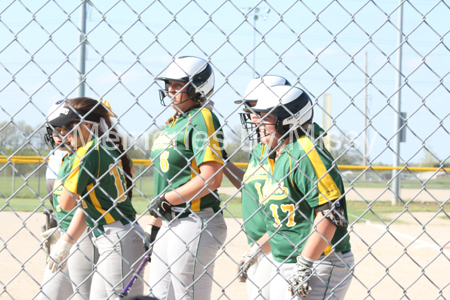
point(254, 264)
point(76, 278)
point(187, 158)
point(303, 194)
point(100, 179)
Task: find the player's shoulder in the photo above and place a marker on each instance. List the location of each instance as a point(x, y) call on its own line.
point(259, 149)
point(307, 149)
point(203, 116)
point(90, 149)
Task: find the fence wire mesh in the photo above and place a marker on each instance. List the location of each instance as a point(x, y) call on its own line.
point(377, 167)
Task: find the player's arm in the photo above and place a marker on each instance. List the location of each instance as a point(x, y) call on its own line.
point(234, 174)
point(68, 200)
point(60, 253)
point(76, 228)
point(206, 181)
point(321, 234)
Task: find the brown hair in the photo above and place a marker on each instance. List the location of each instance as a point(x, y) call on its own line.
point(88, 104)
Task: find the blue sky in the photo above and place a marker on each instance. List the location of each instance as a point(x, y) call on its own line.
point(318, 45)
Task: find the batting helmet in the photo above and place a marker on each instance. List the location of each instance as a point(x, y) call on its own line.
point(191, 70)
point(291, 105)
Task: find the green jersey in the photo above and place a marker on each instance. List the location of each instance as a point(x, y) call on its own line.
point(254, 178)
point(64, 217)
point(184, 144)
point(96, 174)
point(290, 199)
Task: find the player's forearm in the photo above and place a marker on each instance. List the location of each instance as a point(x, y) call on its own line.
point(264, 243)
point(316, 244)
point(234, 174)
point(76, 228)
point(155, 221)
point(208, 180)
point(190, 190)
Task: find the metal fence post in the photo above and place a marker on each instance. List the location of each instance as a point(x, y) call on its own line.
point(39, 181)
point(13, 174)
point(140, 178)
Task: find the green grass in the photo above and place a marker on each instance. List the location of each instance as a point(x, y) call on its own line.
point(441, 183)
point(381, 210)
point(23, 204)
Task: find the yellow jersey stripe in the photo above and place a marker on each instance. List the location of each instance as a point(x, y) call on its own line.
point(328, 189)
point(91, 193)
point(71, 184)
point(213, 141)
point(327, 250)
point(195, 204)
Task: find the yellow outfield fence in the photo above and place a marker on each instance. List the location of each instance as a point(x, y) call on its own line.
point(147, 162)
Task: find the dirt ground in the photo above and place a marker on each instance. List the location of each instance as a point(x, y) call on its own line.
point(405, 259)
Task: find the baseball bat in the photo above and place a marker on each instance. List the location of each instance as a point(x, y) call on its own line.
point(127, 288)
point(48, 213)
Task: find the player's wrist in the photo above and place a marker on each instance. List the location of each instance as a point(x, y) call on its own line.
point(305, 261)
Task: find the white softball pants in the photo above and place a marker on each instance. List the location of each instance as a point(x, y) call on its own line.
point(331, 280)
point(183, 257)
point(76, 278)
point(258, 281)
point(121, 251)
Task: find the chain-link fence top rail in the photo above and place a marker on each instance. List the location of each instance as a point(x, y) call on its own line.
point(317, 46)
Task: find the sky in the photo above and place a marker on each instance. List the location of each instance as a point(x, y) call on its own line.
point(318, 46)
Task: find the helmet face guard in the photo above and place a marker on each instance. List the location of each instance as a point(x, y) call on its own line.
point(48, 137)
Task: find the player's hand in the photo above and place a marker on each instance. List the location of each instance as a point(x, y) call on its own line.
point(58, 255)
point(247, 260)
point(160, 207)
point(149, 238)
point(50, 237)
point(299, 279)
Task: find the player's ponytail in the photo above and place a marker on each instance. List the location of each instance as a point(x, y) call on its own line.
point(104, 110)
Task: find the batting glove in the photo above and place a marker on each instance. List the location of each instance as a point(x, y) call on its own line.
point(161, 207)
point(50, 237)
point(299, 279)
point(149, 238)
point(247, 260)
point(58, 255)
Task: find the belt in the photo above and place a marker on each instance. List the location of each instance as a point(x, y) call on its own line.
point(99, 230)
point(186, 213)
point(180, 214)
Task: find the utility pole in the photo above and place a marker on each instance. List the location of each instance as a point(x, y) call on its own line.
point(365, 116)
point(397, 123)
point(82, 50)
point(258, 13)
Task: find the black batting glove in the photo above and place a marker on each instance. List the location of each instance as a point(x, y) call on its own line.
point(160, 207)
point(149, 238)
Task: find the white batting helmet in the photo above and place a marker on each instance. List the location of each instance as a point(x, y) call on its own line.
point(291, 105)
point(193, 70)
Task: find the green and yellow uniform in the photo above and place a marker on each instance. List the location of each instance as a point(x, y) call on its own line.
point(254, 178)
point(63, 216)
point(184, 144)
point(96, 175)
point(290, 199)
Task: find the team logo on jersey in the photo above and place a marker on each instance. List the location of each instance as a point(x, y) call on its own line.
point(256, 171)
point(274, 191)
point(57, 187)
point(164, 140)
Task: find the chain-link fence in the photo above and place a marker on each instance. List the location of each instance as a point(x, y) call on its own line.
point(346, 191)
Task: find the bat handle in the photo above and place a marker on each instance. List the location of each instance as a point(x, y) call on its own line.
point(127, 288)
